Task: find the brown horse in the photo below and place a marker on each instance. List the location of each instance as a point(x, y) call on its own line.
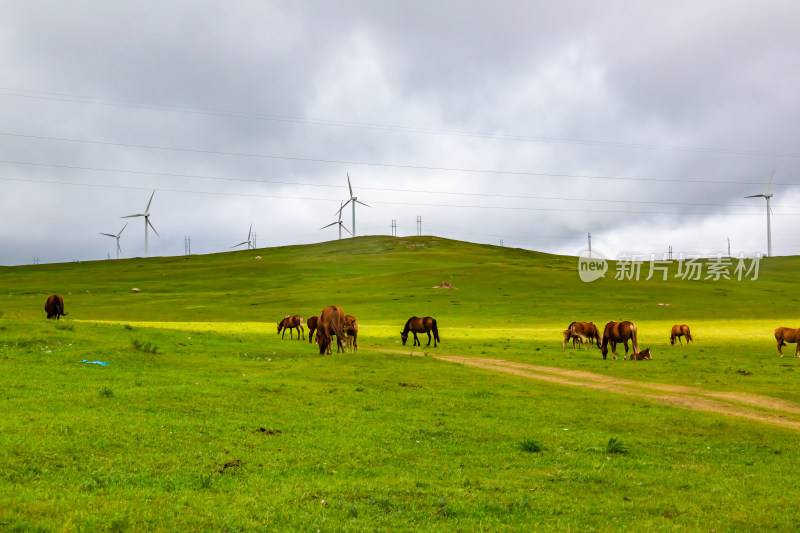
point(291, 322)
point(311, 323)
point(54, 306)
point(582, 331)
point(615, 332)
point(351, 329)
point(330, 323)
point(784, 335)
point(420, 325)
point(644, 354)
point(678, 332)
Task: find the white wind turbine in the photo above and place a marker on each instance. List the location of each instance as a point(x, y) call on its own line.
point(767, 195)
point(117, 237)
point(147, 222)
point(248, 242)
point(353, 201)
point(338, 222)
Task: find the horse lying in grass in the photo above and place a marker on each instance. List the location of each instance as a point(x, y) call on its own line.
point(291, 322)
point(784, 335)
point(420, 325)
point(678, 332)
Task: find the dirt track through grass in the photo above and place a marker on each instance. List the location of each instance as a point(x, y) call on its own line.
point(740, 405)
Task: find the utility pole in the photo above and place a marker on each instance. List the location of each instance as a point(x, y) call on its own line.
point(394, 228)
point(590, 244)
point(729, 246)
point(419, 225)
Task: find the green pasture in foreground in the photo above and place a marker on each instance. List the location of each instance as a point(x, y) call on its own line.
point(206, 420)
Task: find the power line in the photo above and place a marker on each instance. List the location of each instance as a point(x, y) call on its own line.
point(382, 165)
point(42, 95)
point(413, 204)
point(381, 189)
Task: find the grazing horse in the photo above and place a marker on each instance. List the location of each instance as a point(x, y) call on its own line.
point(291, 322)
point(331, 322)
point(678, 332)
point(55, 307)
point(420, 325)
point(644, 354)
point(311, 323)
point(784, 335)
point(351, 329)
point(582, 331)
point(615, 332)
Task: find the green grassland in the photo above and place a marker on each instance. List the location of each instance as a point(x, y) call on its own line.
point(206, 420)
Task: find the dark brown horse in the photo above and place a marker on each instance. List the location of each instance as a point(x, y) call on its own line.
point(331, 322)
point(784, 335)
point(311, 324)
point(644, 354)
point(678, 332)
point(615, 332)
point(291, 322)
point(351, 329)
point(421, 325)
point(582, 331)
point(54, 306)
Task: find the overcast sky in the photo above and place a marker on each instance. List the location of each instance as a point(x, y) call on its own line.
point(521, 122)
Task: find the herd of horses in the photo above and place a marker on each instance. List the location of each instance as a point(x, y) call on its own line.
point(621, 332)
point(333, 322)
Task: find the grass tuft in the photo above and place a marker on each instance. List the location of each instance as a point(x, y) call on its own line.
point(143, 346)
point(105, 392)
point(616, 446)
point(530, 446)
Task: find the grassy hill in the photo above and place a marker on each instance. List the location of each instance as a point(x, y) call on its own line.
point(206, 420)
point(389, 279)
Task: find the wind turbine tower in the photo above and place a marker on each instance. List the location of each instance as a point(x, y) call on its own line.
point(353, 201)
point(147, 222)
point(117, 237)
point(248, 242)
point(767, 195)
point(338, 222)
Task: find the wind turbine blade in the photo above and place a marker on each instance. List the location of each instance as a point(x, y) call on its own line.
point(250, 231)
point(123, 229)
point(755, 196)
point(329, 225)
point(362, 203)
point(349, 186)
point(147, 210)
point(770, 181)
point(241, 243)
point(343, 206)
point(771, 212)
point(118, 248)
point(345, 228)
point(147, 220)
point(108, 235)
point(131, 216)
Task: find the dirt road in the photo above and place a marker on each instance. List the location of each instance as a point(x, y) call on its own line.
point(741, 405)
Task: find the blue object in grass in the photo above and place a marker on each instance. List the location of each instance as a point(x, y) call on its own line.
point(94, 362)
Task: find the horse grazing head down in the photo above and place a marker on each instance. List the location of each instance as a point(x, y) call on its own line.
point(54, 307)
